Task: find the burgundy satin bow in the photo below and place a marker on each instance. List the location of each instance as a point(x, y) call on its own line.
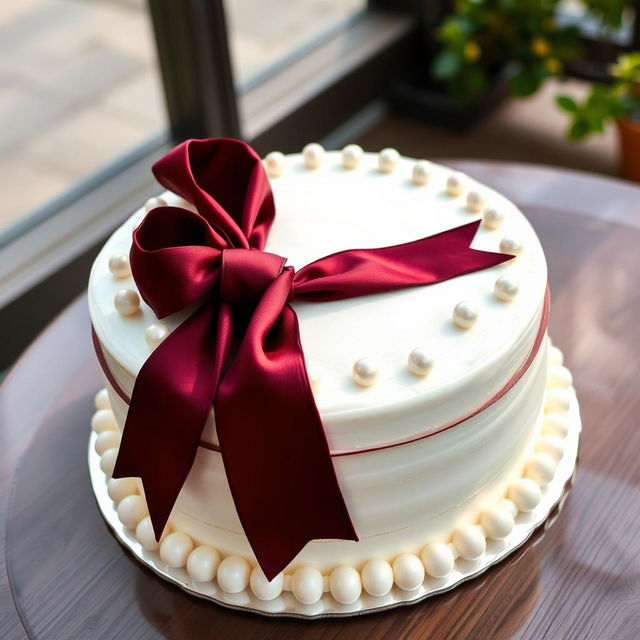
point(239, 351)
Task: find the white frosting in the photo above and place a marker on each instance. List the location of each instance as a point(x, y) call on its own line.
point(403, 496)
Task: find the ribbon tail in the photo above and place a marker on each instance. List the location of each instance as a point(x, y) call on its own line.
point(359, 272)
point(273, 443)
point(171, 401)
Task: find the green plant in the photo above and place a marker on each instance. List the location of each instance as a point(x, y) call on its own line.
point(606, 103)
point(481, 36)
point(609, 13)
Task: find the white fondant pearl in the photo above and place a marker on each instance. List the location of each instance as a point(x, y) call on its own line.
point(557, 401)
point(352, 156)
point(476, 201)
point(510, 506)
point(175, 549)
point(554, 356)
point(127, 302)
point(202, 564)
point(155, 333)
point(408, 571)
point(377, 577)
point(526, 493)
point(387, 160)
point(103, 420)
point(455, 184)
point(469, 541)
point(559, 377)
point(345, 585)
point(107, 440)
point(108, 461)
point(146, 536)
point(233, 574)
point(101, 400)
point(262, 588)
point(437, 559)
point(313, 155)
point(152, 203)
point(274, 164)
point(506, 288)
point(556, 424)
point(120, 488)
point(365, 372)
point(511, 245)
point(119, 265)
point(131, 510)
point(551, 445)
point(492, 218)
point(541, 467)
point(421, 173)
point(465, 315)
point(420, 363)
point(497, 521)
point(307, 585)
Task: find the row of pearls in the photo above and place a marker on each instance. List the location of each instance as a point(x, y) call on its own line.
point(465, 315)
point(376, 577)
point(127, 301)
point(366, 371)
point(313, 155)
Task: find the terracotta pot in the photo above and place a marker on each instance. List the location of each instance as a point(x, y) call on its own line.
point(629, 134)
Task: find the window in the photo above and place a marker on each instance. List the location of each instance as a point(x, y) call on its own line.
point(82, 108)
point(263, 36)
point(79, 89)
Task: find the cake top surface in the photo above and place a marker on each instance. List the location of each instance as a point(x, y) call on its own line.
point(331, 208)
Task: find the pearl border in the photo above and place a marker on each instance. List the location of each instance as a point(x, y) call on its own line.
point(415, 576)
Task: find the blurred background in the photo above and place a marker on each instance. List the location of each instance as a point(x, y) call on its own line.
point(93, 91)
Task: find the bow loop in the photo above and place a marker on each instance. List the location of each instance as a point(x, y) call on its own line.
point(175, 258)
point(225, 181)
point(246, 274)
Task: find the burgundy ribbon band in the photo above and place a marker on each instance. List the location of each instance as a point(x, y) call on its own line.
point(239, 352)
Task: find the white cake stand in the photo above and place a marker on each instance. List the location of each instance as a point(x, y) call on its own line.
point(287, 605)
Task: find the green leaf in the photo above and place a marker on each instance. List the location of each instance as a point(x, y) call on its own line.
point(525, 82)
point(599, 99)
point(446, 64)
point(578, 130)
point(567, 103)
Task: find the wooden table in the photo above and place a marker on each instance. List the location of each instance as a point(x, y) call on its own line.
point(62, 575)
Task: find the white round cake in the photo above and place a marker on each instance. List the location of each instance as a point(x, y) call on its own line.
point(444, 407)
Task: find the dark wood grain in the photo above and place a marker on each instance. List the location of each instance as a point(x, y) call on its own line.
point(62, 575)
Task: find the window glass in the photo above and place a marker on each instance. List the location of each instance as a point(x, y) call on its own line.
point(264, 34)
point(79, 89)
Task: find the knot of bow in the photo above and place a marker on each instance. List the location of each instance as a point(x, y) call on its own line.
point(239, 351)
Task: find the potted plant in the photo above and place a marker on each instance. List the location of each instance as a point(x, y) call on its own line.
point(619, 103)
point(486, 50)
